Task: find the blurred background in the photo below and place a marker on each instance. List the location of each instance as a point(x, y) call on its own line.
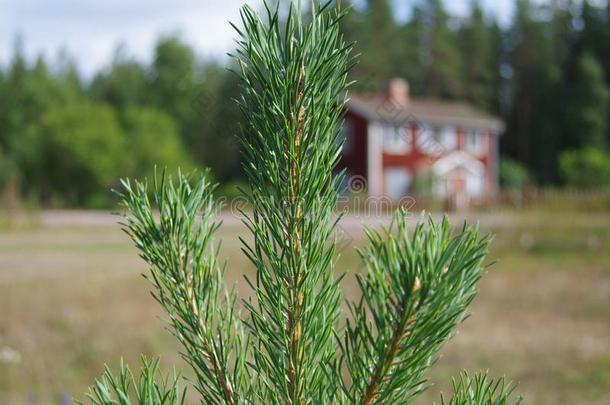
point(92, 91)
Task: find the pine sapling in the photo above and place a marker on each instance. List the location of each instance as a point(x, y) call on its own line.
point(289, 343)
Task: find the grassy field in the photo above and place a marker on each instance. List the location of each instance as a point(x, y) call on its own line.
point(71, 299)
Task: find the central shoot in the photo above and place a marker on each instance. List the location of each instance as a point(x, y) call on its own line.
point(294, 80)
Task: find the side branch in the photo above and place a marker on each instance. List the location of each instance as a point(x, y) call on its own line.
point(385, 362)
point(415, 293)
point(211, 354)
point(186, 278)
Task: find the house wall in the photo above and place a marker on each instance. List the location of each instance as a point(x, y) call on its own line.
point(416, 161)
point(353, 158)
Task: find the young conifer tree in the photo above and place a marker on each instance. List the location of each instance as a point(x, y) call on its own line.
point(291, 344)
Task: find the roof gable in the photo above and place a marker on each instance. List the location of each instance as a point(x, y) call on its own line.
point(458, 159)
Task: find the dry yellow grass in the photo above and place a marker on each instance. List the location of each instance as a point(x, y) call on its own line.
point(71, 299)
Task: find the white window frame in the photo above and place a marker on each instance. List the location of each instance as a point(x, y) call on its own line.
point(436, 140)
point(478, 147)
point(396, 139)
point(448, 138)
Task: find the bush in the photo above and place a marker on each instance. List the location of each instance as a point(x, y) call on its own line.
point(513, 174)
point(424, 183)
point(585, 168)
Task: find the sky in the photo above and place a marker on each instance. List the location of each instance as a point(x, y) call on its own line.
point(90, 30)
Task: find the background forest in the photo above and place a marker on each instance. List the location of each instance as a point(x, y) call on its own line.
point(65, 140)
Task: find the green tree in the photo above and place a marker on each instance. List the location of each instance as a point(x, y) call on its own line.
point(123, 84)
point(13, 114)
point(588, 105)
point(409, 56)
point(499, 99)
point(5, 169)
point(30, 93)
point(564, 37)
point(525, 57)
point(377, 42)
point(67, 77)
point(216, 122)
point(172, 89)
point(378, 39)
point(5, 163)
point(595, 34)
point(547, 135)
point(154, 139)
point(83, 152)
point(478, 67)
point(536, 94)
point(440, 56)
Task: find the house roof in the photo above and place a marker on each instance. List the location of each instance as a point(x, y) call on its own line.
point(424, 111)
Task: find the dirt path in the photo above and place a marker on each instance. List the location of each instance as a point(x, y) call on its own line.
point(354, 221)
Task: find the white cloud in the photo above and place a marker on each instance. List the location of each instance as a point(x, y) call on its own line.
point(89, 30)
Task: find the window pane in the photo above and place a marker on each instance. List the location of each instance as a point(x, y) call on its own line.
point(395, 139)
point(397, 182)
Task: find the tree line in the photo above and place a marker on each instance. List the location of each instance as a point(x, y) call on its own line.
point(66, 141)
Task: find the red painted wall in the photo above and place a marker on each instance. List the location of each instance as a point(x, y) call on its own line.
point(355, 161)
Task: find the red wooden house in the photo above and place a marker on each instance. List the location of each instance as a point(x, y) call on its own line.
point(393, 140)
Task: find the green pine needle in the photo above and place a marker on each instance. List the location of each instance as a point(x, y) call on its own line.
point(149, 388)
point(481, 390)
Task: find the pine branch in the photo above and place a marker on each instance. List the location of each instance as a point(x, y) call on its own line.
point(481, 390)
point(414, 295)
point(294, 80)
point(186, 278)
point(150, 388)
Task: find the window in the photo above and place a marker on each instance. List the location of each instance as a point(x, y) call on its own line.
point(397, 182)
point(435, 140)
point(447, 137)
point(395, 139)
point(475, 142)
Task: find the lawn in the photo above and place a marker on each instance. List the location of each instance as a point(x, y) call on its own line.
point(71, 299)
